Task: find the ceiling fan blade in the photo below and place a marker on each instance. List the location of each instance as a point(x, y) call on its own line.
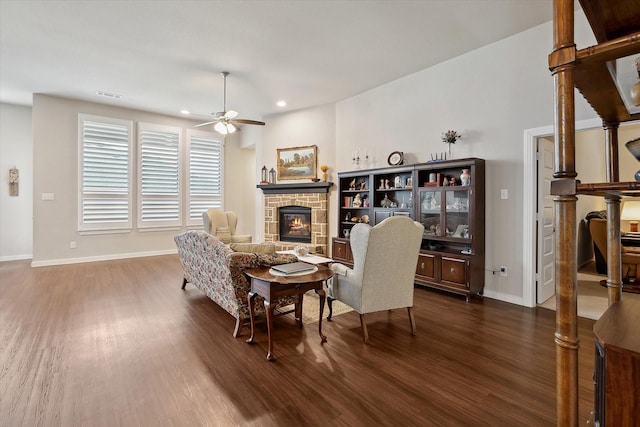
point(248, 122)
point(207, 123)
point(230, 114)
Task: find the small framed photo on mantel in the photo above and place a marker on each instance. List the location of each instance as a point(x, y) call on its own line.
point(297, 162)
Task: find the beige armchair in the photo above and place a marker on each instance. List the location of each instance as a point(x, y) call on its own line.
point(384, 267)
point(223, 225)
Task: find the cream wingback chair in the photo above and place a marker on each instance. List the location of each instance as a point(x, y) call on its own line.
point(223, 225)
point(384, 267)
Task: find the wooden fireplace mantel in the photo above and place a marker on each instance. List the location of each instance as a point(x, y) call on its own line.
point(297, 187)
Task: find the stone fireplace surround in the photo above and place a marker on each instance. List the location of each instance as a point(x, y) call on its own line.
point(314, 195)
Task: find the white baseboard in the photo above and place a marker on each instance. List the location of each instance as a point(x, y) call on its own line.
point(101, 258)
point(15, 257)
point(512, 299)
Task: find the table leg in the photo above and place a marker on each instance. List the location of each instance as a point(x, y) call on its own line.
point(323, 295)
point(251, 301)
point(298, 309)
point(269, 310)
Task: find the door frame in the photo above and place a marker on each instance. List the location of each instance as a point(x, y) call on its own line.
point(530, 195)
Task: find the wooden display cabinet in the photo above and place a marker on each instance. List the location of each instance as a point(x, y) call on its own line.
point(452, 254)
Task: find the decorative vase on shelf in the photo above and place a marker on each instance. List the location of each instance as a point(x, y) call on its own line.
point(325, 175)
point(465, 177)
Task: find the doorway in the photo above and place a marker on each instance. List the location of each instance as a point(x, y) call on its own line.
point(589, 137)
point(533, 239)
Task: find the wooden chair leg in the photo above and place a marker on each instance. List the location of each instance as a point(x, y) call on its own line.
point(365, 332)
point(184, 282)
point(238, 329)
point(412, 321)
point(330, 304)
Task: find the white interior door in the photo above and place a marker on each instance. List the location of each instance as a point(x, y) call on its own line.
point(545, 273)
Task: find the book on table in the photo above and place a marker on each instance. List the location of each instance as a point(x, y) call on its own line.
point(294, 267)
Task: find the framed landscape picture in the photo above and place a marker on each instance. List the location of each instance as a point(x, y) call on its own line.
point(297, 162)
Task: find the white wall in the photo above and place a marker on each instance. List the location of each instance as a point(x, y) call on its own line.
point(16, 213)
point(240, 180)
point(55, 165)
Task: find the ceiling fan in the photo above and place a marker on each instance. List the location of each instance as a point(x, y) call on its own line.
point(225, 121)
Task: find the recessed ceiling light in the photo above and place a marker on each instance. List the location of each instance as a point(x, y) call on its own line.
point(185, 112)
point(281, 103)
point(108, 94)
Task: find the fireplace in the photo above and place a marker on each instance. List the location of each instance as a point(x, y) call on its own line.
point(295, 224)
point(311, 195)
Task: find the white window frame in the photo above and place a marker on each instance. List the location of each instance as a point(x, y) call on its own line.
point(196, 204)
point(168, 196)
point(98, 227)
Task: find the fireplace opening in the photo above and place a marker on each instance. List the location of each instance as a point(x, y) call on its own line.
point(295, 224)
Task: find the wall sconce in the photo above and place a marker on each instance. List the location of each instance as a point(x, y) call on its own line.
point(14, 182)
point(263, 176)
point(355, 160)
point(272, 176)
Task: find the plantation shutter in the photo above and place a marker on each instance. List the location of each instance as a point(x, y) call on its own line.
point(205, 174)
point(159, 176)
point(105, 174)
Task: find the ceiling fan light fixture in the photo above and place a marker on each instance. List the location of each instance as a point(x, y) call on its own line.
point(224, 120)
point(225, 128)
point(221, 128)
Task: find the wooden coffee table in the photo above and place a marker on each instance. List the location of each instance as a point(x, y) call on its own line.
point(271, 287)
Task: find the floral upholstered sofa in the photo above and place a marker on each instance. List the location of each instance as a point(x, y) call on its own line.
point(218, 270)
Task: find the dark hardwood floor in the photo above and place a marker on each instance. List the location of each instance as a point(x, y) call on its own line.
point(118, 343)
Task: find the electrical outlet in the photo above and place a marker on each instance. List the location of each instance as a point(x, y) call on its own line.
point(503, 270)
point(504, 194)
point(72, 245)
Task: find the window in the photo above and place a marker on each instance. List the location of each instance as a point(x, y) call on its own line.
point(205, 171)
point(104, 174)
point(159, 176)
point(175, 183)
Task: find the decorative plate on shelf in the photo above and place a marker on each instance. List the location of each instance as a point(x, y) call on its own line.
point(395, 158)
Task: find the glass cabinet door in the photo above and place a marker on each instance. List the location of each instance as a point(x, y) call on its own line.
point(457, 214)
point(430, 212)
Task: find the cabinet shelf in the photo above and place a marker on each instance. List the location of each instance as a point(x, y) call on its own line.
point(464, 240)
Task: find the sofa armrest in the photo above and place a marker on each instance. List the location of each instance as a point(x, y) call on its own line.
point(267, 260)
